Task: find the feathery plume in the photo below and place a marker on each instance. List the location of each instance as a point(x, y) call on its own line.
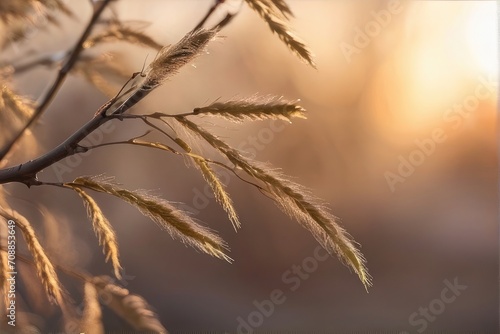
point(99, 70)
point(176, 222)
point(253, 109)
point(279, 26)
point(120, 32)
point(295, 201)
point(221, 196)
point(218, 189)
point(4, 269)
point(91, 321)
point(31, 10)
point(103, 230)
point(22, 17)
point(21, 107)
point(283, 7)
point(133, 308)
point(168, 61)
point(44, 267)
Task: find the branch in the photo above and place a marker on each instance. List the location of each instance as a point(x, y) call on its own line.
point(169, 60)
point(156, 145)
point(26, 173)
point(63, 72)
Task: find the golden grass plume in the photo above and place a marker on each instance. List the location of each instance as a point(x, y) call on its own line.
point(220, 193)
point(253, 108)
point(283, 7)
point(4, 269)
point(20, 18)
point(273, 13)
point(133, 308)
point(295, 201)
point(167, 62)
point(100, 69)
point(171, 58)
point(91, 321)
point(20, 107)
point(121, 32)
point(103, 230)
point(175, 221)
point(44, 267)
point(28, 9)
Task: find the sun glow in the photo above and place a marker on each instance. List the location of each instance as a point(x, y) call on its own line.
point(482, 36)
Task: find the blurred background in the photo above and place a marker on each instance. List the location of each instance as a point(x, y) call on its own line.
point(400, 140)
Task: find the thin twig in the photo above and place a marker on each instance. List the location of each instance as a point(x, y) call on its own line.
point(63, 72)
point(172, 150)
point(225, 21)
point(208, 14)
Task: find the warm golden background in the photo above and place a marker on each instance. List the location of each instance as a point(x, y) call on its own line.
point(365, 113)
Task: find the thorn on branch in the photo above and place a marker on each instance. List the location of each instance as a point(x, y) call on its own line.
point(80, 149)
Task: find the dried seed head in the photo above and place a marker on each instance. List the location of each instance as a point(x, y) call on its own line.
point(132, 308)
point(254, 109)
point(275, 14)
point(44, 267)
point(122, 32)
point(103, 230)
point(175, 221)
point(295, 201)
point(91, 321)
point(171, 58)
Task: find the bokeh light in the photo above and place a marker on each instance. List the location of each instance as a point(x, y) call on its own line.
point(482, 36)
